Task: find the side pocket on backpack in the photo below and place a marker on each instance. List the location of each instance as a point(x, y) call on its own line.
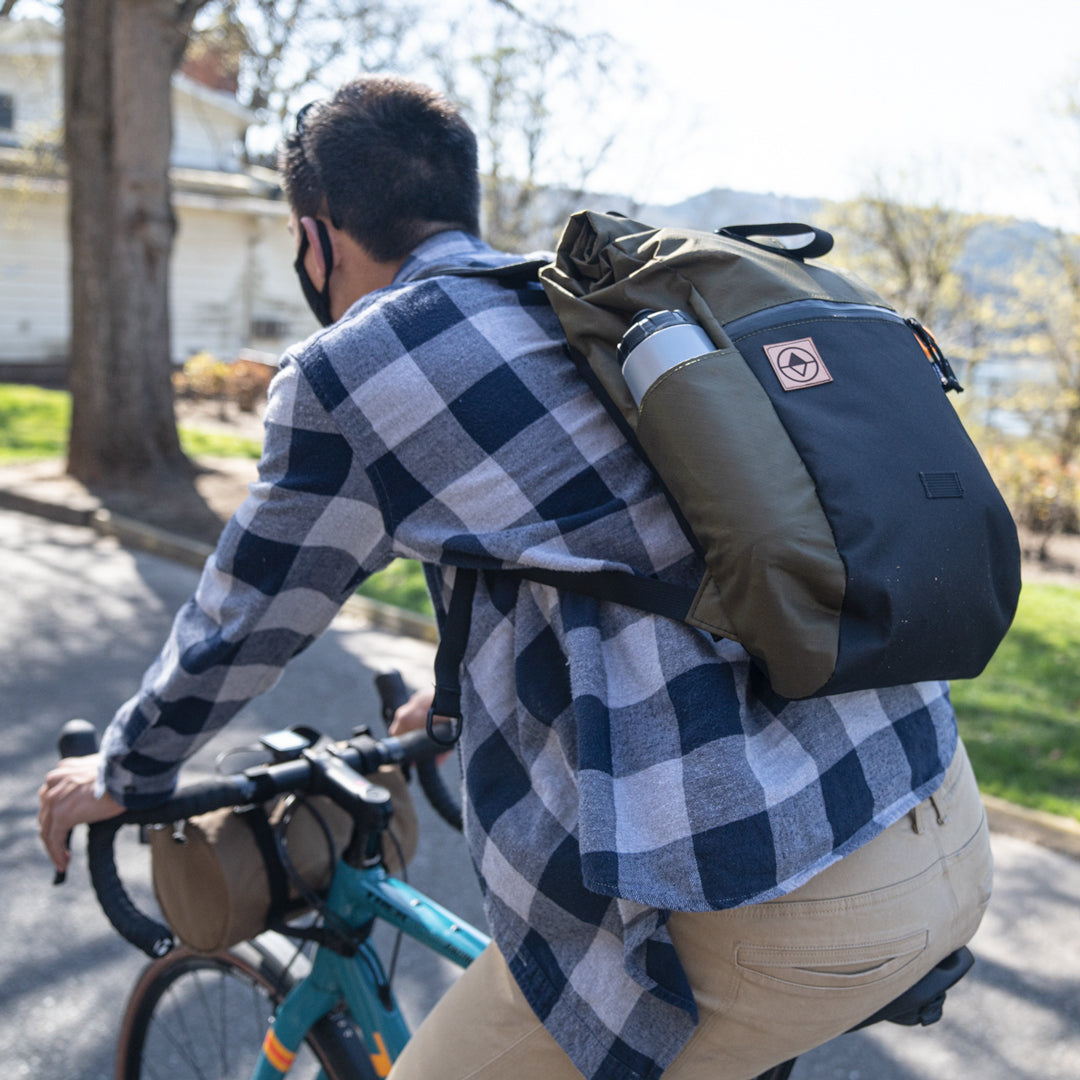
point(712, 433)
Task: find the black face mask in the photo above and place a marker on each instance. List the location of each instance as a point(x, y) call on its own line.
point(319, 302)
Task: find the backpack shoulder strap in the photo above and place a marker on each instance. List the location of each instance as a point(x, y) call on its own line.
point(512, 275)
point(618, 587)
point(615, 586)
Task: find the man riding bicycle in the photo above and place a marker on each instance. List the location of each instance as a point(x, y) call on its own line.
point(683, 872)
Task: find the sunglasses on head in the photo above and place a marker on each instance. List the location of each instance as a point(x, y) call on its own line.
point(303, 111)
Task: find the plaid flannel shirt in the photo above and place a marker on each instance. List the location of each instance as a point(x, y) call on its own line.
point(617, 765)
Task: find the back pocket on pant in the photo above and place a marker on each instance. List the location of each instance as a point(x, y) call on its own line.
point(831, 968)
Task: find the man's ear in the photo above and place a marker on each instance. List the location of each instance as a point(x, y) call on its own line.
point(310, 226)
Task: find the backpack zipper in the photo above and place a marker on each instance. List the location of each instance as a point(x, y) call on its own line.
point(936, 357)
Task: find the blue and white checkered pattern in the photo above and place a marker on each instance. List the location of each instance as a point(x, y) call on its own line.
point(617, 765)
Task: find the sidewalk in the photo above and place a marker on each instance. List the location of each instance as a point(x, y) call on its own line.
point(42, 488)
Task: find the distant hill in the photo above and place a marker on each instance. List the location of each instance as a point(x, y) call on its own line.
point(709, 210)
point(995, 247)
point(723, 206)
point(1000, 245)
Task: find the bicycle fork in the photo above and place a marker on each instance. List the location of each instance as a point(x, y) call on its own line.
point(360, 980)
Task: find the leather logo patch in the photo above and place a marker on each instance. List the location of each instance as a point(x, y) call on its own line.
point(798, 364)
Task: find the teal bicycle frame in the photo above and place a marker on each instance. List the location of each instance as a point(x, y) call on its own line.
point(356, 897)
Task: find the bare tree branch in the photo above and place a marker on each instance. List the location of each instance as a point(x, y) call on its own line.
point(186, 10)
point(285, 47)
point(548, 27)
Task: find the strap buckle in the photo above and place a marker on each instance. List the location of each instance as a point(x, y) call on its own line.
point(455, 729)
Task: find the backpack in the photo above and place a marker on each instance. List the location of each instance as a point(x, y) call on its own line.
point(852, 536)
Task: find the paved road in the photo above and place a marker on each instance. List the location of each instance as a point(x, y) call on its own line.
point(80, 620)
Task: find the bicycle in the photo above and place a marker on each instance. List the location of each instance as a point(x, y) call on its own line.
point(266, 1008)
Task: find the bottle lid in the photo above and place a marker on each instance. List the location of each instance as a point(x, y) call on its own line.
point(647, 322)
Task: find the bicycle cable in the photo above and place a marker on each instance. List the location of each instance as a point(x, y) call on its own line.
point(333, 923)
point(400, 934)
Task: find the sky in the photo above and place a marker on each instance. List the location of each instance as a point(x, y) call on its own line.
point(943, 99)
point(951, 100)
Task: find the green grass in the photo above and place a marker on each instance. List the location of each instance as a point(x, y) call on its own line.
point(1020, 719)
point(198, 443)
point(400, 584)
point(34, 425)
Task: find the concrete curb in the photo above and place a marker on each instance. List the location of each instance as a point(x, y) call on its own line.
point(138, 536)
point(1061, 834)
point(54, 512)
point(61, 513)
point(1051, 831)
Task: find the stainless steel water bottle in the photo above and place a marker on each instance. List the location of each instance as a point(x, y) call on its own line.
point(656, 342)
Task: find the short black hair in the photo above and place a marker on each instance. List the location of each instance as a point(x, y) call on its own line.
point(384, 158)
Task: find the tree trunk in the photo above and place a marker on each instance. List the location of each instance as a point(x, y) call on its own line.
point(119, 56)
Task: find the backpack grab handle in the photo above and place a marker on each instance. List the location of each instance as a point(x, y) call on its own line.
point(784, 237)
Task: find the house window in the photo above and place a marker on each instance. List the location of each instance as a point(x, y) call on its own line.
point(269, 329)
point(7, 112)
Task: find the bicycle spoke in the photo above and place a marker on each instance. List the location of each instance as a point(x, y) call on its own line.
point(176, 1017)
point(208, 1023)
point(261, 1011)
point(221, 1012)
point(213, 1020)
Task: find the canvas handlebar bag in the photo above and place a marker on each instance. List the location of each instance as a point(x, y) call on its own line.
point(212, 879)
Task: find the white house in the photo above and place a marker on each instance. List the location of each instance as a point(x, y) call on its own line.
point(233, 287)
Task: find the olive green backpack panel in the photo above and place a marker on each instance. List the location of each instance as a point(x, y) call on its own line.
point(779, 597)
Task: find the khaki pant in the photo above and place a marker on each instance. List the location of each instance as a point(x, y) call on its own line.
point(771, 980)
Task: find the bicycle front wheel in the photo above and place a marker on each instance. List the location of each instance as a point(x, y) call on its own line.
point(196, 1017)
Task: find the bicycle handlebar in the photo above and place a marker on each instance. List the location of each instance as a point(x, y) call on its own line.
point(394, 693)
point(336, 771)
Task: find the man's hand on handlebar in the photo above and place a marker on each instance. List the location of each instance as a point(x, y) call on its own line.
point(412, 716)
point(67, 799)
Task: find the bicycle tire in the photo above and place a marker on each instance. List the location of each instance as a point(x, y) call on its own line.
point(204, 1017)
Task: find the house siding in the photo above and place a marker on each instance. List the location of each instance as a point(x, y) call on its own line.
point(229, 269)
point(35, 310)
point(207, 132)
point(232, 255)
point(230, 266)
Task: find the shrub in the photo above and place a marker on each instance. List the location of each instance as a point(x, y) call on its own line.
point(1042, 491)
point(202, 376)
point(246, 383)
point(243, 382)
